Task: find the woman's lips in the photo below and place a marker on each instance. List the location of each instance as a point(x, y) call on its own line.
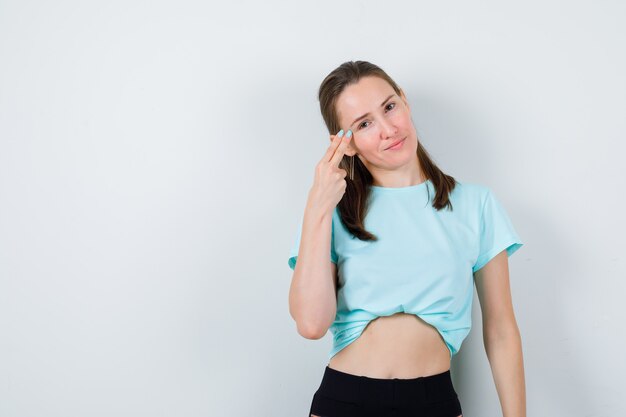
point(396, 146)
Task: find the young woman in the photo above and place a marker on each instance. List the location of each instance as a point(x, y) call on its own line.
point(386, 257)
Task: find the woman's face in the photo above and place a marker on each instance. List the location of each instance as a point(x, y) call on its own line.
point(387, 120)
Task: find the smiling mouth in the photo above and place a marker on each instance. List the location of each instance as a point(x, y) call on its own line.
point(396, 144)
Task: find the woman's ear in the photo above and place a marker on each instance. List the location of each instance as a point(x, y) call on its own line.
point(350, 151)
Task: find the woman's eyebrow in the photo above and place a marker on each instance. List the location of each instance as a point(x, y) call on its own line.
point(367, 114)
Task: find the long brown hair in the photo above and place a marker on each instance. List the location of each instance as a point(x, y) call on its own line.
point(353, 205)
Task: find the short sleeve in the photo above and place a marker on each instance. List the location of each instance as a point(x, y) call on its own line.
point(293, 254)
point(496, 232)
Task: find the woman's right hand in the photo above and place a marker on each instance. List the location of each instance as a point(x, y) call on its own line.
point(329, 184)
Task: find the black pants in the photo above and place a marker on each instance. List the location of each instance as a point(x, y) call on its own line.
point(345, 395)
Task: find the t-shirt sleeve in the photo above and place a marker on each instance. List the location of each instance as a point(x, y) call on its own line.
point(496, 232)
point(293, 254)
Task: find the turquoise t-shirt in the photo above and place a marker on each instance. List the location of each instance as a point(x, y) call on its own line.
point(422, 263)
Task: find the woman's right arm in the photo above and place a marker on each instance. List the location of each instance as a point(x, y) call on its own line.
point(312, 295)
point(313, 291)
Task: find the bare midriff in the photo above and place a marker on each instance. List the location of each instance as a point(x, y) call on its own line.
point(397, 346)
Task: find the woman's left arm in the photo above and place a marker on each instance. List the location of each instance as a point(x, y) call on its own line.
point(501, 335)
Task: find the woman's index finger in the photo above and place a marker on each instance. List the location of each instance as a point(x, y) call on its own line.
point(340, 150)
point(334, 144)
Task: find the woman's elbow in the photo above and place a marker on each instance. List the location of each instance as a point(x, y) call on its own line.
point(310, 330)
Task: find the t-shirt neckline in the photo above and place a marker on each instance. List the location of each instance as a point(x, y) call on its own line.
point(379, 189)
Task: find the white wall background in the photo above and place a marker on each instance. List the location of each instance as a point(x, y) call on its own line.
point(155, 159)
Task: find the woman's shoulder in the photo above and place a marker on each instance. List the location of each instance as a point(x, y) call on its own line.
point(466, 190)
point(470, 195)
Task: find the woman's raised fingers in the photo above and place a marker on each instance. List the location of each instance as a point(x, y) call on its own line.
point(341, 149)
point(334, 143)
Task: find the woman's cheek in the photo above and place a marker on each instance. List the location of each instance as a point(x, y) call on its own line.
point(400, 117)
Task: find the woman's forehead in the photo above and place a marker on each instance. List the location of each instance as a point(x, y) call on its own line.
point(364, 97)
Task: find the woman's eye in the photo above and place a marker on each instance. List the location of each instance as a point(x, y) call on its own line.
point(387, 107)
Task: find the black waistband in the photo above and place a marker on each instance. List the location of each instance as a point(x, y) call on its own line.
point(394, 391)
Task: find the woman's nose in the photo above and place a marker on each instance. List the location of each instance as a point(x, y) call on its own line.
point(387, 128)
